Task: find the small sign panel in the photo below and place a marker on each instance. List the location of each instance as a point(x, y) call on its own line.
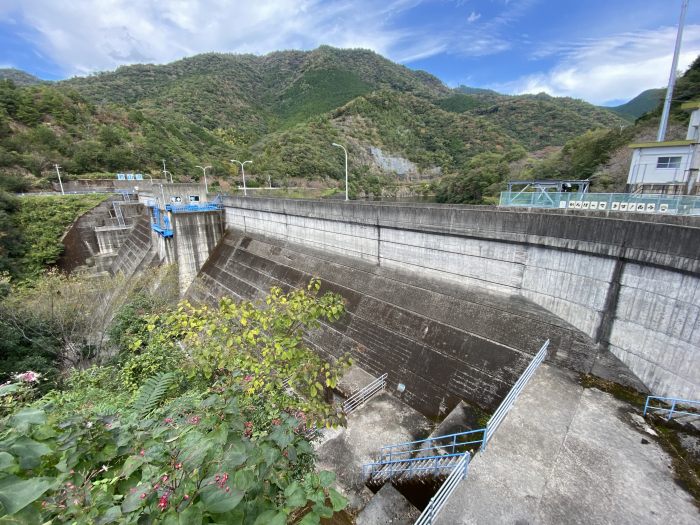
point(651, 206)
point(663, 208)
point(602, 205)
point(623, 206)
point(615, 206)
point(586, 205)
point(594, 205)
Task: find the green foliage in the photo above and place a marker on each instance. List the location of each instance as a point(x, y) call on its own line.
point(483, 178)
point(199, 443)
point(42, 221)
point(581, 157)
point(152, 393)
point(643, 103)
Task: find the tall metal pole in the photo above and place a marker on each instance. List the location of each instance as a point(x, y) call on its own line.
point(204, 169)
point(242, 164)
point(346, 169)
point(672, 79)
point(166, 173)
point(60, 182)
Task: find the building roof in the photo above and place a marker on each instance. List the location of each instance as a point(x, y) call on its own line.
point(665, 144)
point(691, 104)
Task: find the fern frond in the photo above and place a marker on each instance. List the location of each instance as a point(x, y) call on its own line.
point(152, 392)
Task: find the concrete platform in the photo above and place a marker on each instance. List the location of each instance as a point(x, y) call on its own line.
point(388, 507)
point(382, 421)
point(566, 454)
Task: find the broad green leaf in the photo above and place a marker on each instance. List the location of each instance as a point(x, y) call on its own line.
point(244, 480)
point(271, 517)
point(29, 416)
point(8, 389)
point(28, 451)
point(16, 493)
point(217, 500)
point(310, 519)
point(7, 462)
point(326, 478)
point(337, 500)
point(111, 515)
point(131, 464)
point(192, 515)
point(295, 495)
point(133, 500)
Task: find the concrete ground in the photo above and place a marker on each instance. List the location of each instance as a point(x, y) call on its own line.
point(381, 421)
point(569, 455)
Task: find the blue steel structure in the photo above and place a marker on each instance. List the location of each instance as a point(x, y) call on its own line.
point(160, 222)
point(674, 401)
point(450, 452)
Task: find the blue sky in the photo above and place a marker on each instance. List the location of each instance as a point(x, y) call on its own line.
point(603, 51)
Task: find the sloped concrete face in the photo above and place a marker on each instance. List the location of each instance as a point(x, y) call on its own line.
point(578, 266)
point(443, 341)
point(565, 454)
point(388, 507)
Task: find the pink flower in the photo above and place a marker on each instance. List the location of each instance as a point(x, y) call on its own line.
point(168, 420)
point(143, 452)
point(248, 378)
point(195, 420)
point(28, 376)
point(163, 502)
point(276, 422)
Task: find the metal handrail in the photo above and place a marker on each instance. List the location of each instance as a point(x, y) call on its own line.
point(358, 398)
point(388, 450)
point(434, 459)
point(502, 411)
point(442, 495)
point(674, 401)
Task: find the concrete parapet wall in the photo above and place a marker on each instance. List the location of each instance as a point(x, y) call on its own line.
point(579, 266)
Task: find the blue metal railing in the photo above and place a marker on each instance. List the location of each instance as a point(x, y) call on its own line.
point(429, 454)
point(622, 202)
point(672, 410)
point(438, 501)
point(193, 208)
point(160, 223)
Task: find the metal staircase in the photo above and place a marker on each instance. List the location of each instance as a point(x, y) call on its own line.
point(424, 460)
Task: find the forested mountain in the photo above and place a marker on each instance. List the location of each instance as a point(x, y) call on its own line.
point(643, 103)
point(282, 110)
point(20, 78)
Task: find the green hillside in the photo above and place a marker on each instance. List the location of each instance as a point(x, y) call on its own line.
point(282, 110)
point(643, 103)
point(20, 78)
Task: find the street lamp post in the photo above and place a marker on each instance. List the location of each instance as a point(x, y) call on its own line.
point(204, 169)
point(60, 182)
point(245, 191)
point(346, 168)
point(166, 173)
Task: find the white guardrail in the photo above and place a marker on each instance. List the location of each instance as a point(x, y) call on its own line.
point(357, 399)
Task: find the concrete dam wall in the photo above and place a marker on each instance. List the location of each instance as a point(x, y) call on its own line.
point(604, 280)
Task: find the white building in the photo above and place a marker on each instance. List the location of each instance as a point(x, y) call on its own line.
point(669, 167)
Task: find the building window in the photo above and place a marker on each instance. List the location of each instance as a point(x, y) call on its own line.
point(668, 162)
point(194, 198)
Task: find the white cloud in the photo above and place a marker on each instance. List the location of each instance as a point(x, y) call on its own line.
point(83, 36)
point(473, 17)
point(613, 68)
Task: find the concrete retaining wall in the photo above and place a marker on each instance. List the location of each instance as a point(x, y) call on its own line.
point(195, 237)
point(583, 267)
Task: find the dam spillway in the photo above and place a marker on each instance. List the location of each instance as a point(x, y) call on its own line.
point(453, 300)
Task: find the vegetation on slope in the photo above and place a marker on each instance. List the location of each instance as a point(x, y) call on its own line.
point(32, 228)
point(643, 103)
point(192, 422)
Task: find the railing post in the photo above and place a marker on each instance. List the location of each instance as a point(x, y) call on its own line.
point(670, 413)
point(454, 443)
point(646, 407)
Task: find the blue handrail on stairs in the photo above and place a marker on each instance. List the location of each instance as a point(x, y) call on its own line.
point(674, 401)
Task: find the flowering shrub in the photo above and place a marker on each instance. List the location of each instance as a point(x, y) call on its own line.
point(192, 460)
point(203, 420)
